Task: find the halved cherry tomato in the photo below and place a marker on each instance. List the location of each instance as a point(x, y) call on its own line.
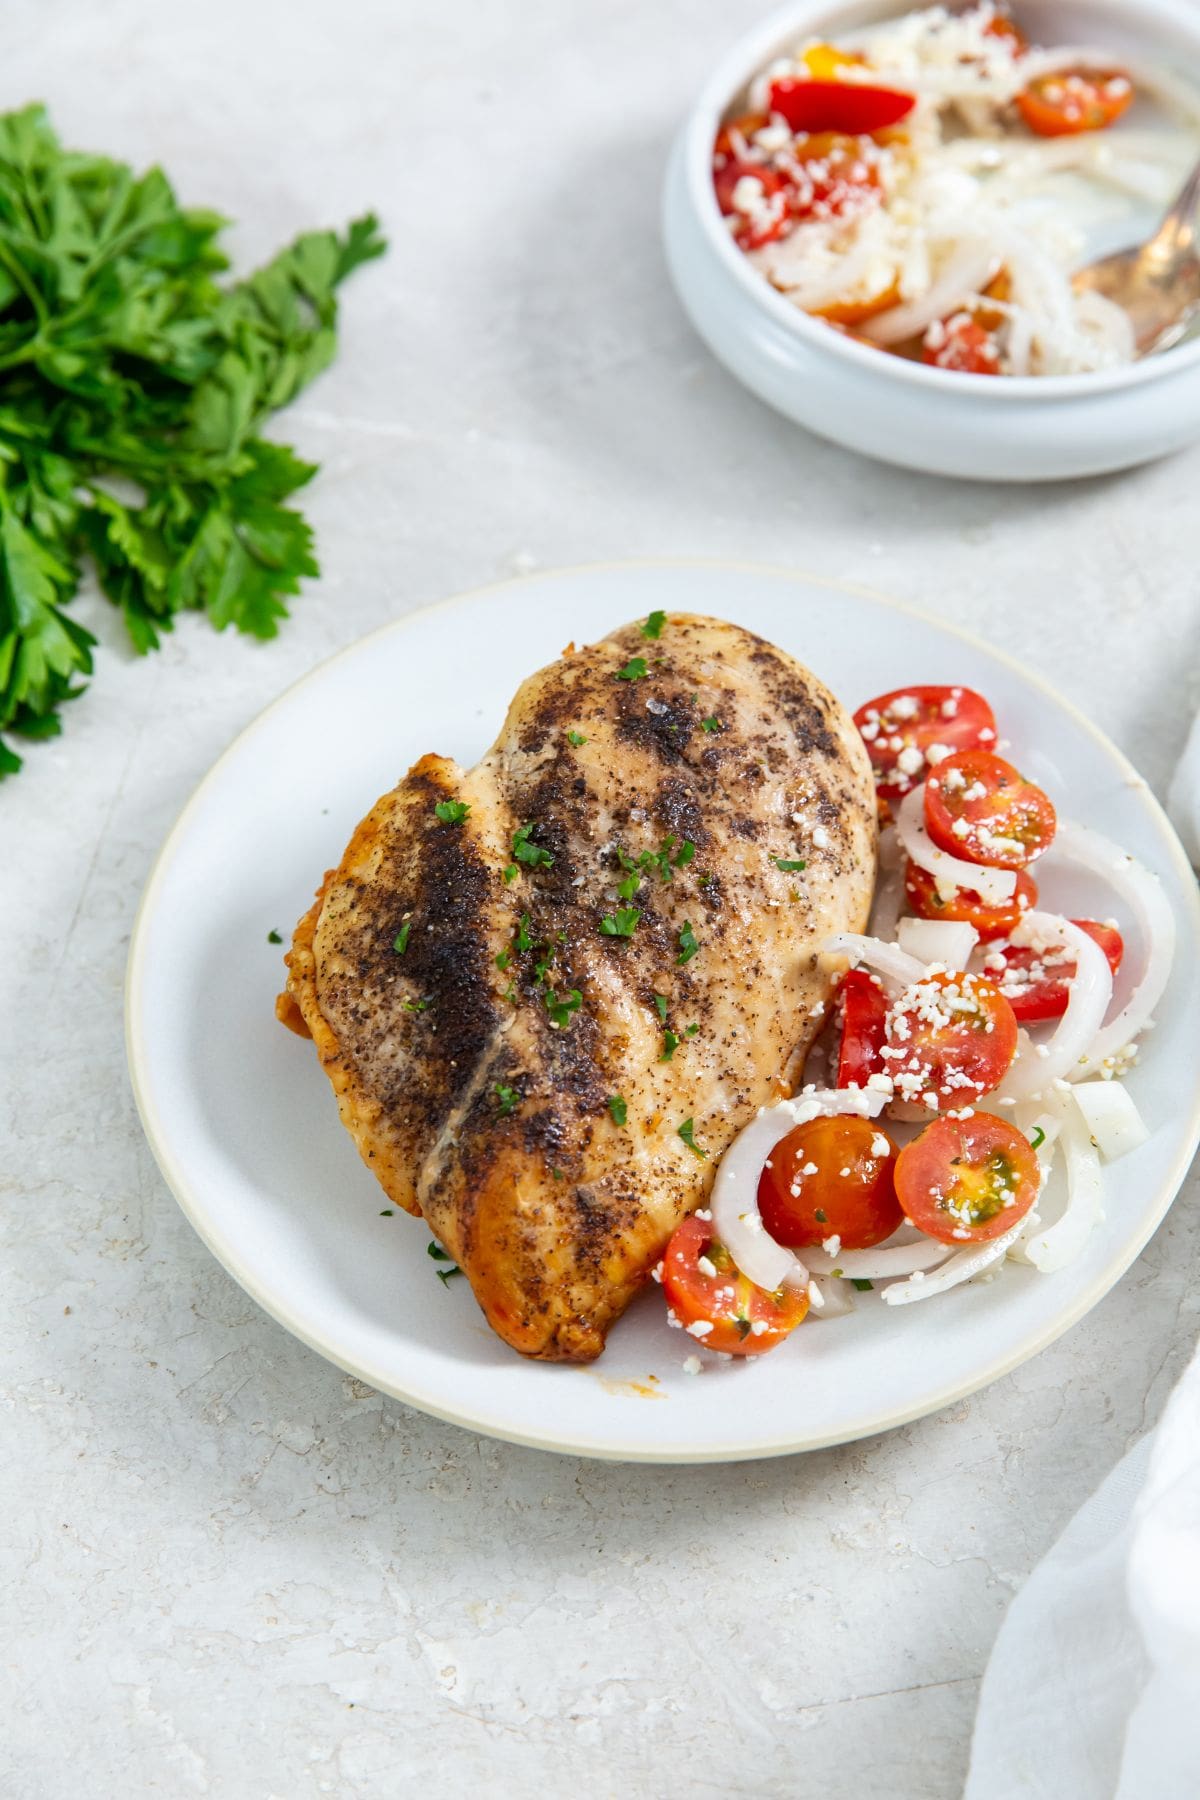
point(966, 907)
point(831, 1178)
point(838, 174)
point(1035, 982)
point(849, 106)
point(950, 1038)
point(961, 344)
point(856, 312)
point(978, 807)
point(998, 288)
point(770, 217)
point(746, 124)
point(1073, 100)
point(863, 1007)
point(704, 1286)
point(900, 728)
point(967, 1180)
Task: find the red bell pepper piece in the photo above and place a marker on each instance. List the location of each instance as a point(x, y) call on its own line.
point(848, 106)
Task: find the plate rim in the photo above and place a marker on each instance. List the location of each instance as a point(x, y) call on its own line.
point(276, 1308)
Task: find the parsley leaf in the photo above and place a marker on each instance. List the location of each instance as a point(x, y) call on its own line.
point(622, 923)
point(511, 873)
point(451, 812)
point(635, 670)
point(509, 1099)
point(417, 1006)
point(660, 1006)
point(687, 1131)
point(273, 937)
point(863, 1286)
point(134, 396)
point(504, 958)
point(654, 625)
point(789, 868)
point(618, 1109)
point(712, 723)
point(435, 1250)
point(576, 738)
point(560, 1010)
point(400, 942)
point(1038, 1138)
point(521, 937)
point(532, 855)
point(445, 1275)
point(670, 1045)
point(689, 943)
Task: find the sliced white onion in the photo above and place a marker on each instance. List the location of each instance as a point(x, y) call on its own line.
point(1114, 1123)
point(1037, 1067)
point(1061, 1242)
point(963, 1266)
point(887, 959)
point(882, 1263)
point(945, 941)
point(737, 1222)
point(837, 1297)
point(1144, 895)
point(968, 269)
point(949, 872)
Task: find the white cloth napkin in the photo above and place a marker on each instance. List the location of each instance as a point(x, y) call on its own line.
point(1093, 1688)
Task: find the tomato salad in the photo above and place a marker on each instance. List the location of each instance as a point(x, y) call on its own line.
point(974, 1035)
point(927, 186)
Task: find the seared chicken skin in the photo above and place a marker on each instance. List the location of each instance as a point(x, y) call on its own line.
point(546, 1017)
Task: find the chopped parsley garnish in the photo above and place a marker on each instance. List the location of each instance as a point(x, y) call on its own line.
point(660, 859)
point(560, 1010)
point(400, 942)
point(1038, 1138)
point(670, 1045)
point(387, 1212)
point(618, 1109)
point(743, 1328)
point(522, 939)
point(864, 1287)
point(712, 723)
point(504, 958)
point(445, 1275)
point(789, 868)
point(532, 855)
point(273, 937)
point(691, 1031)
point(576, 738)
point(511, 873)
point(660, 1006)
point(415, 1005)
point(654, 624)
point(557, 1174)
point(689, 943)
point(685, 854)
point(635, 670)
point(509, 1099)
point(821, 1216)
point(451, 812)
point(622, 923)
point(687, 1132)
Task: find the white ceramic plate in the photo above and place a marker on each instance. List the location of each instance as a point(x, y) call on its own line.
point(245, 1129)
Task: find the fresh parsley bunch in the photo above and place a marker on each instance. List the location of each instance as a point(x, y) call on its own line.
point(133, 388)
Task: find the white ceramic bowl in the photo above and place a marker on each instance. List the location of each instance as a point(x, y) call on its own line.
point(1010, 428)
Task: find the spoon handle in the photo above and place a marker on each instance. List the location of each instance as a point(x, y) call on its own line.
point(1177, 233)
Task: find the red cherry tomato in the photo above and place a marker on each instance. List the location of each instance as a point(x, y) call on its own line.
point(1074, 100)
point(703, 1286)
point(967, 1180)
point(848, 106)
point(900, 728)
point(950, 1038)
point(1035, 982)
point(745, 127)
point(965, 907)
point(979, 808)
point(864, 1027)
point(838, 174)
point(767, 220)
point(831, 1178)
point(961, 344)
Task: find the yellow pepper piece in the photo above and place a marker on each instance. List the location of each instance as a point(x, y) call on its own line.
point(823, 61)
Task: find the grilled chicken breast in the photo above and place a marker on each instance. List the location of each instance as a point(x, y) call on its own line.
point(549, 990)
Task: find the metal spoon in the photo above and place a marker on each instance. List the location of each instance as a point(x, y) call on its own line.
point(1158, 282)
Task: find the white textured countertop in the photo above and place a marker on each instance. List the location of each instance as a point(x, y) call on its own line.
point(228, 1569)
